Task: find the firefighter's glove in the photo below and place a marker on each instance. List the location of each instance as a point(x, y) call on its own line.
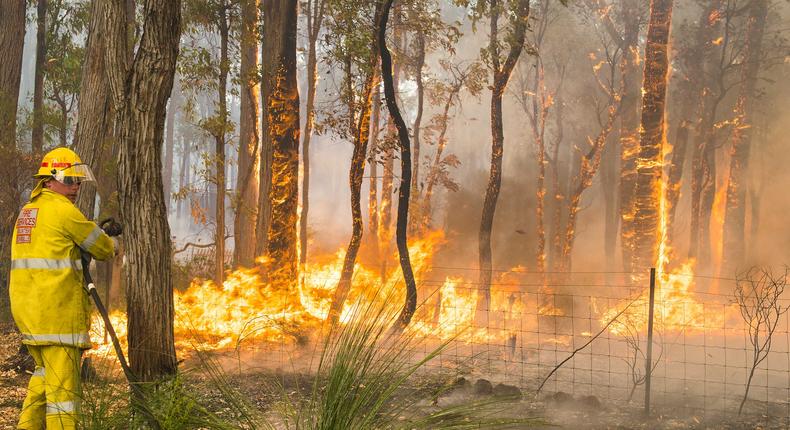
point(111, 227)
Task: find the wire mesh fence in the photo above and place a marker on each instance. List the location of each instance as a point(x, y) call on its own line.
point(584, 334)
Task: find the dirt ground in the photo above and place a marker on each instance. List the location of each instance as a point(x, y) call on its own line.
point(559, 409)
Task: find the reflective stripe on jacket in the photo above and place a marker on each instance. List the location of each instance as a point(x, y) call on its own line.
point(48, 301)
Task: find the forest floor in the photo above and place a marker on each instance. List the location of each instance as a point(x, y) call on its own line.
point(559, 410)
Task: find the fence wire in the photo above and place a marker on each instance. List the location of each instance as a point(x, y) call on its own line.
point(702, 354)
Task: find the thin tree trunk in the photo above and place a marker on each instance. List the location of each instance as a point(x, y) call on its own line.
point(361, 133)
point(281, 101)
point(219, 147)
point(183, 174)
point(140, 89)
point(245, 220)
point(734, 239)
point(315, 15)
point(436, 166)
point(385, 216)
point(95, 116)
point(652, 136)
point(415, 179)
point(373, 210)
point(404, 189)
point(38, 85)
point(587, 169)
point(557, 190)
point(609, 177)
point(12, 39)
point(629, 128)
point(500, 79)
point(170, 122)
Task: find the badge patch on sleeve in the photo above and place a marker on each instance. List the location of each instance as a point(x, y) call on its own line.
point(25, 224)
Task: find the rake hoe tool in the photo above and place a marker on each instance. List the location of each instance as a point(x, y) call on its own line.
point(91, 287)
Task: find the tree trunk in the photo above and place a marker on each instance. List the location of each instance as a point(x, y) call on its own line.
point(652, 137)
point(629, 128)
point(734, 238)
point(433, 173)
point(245, 220)
point(587, 168)
point(315, 15)
point(38, 85)
point(557, 190)
point(219, 147)
point(281, 101)
point(500, 79)
point(415, 179)
point(95, 116)
point(361, 135)
point(140, 89)
point(385, 216)
point(12, 39)
point(404, 189)
point(183, 174)
point(373, 203)
point(170, 122)
point(609, 177)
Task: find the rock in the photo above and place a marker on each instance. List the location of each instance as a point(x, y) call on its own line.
point(483, 387)
point(504, 390)
point(560, 398)
point(590, 402)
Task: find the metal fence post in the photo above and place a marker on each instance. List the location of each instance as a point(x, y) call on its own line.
point(649, 358)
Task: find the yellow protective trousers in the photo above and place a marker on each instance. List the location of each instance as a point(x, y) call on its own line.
point(53, 395)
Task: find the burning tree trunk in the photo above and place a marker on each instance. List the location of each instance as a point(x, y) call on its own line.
point(735, 216)
point(361, 134)
point(38, 86)
point(629, 128)
point(219, 145)
point(405, 180)
point(140, 87)
point(373, 210)
point(93, 123)
point(245, 220)
point(652, 136)
point(501, 77)
point(315, 14)
point(557, 190)
point(281, 101)
point(587, 169)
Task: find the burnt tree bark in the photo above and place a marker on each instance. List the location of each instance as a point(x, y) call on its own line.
point(38, 78)
point(734, 239)
point(404, 189)
point(140, 88)
point(652, 136)
point(315, 15)
point(246, 204)
point(281, 131)
point(501, 76)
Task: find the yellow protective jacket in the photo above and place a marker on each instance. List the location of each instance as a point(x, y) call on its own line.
point(48, 300)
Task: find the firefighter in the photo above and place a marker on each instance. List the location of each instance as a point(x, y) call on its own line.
point(48, 301)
